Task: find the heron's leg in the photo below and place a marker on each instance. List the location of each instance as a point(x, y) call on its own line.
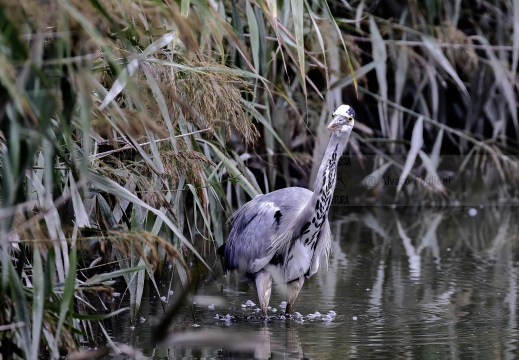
point(263, 282)
point(293, 289)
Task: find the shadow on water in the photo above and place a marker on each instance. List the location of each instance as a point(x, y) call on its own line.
point(403, 284)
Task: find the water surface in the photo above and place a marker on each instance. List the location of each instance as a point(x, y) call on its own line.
point(413, 284)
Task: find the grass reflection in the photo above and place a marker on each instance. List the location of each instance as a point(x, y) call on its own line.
point(422, 284)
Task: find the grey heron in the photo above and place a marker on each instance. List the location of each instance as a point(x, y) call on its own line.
point(287, 231)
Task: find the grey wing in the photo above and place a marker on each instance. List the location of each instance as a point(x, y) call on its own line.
point(257, 223)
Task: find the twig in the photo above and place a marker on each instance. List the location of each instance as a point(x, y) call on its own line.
point(57, 203)
point(127, 147)
point(12, 326)
point(47, 35)
point(440, 44)
point(11, 210)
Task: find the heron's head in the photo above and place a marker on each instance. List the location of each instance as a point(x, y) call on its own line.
point(343, 119)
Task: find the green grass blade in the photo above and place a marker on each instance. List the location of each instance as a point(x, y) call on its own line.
point(515, 38)
point(234, 171)
point(100, 278)
point(67, 300)
point(80, 213)
point(38, 302)
point(119, 84)
point(269, 127)
point(380, 58)
point(184, 7)
point(348, 80)
point(437, 54)
point(435, 152)
point(321, 42)
point(378, 173)
point(97, 317)
point(502, 80)
point(416, 145)
point(254, 35)
point(113, 188)
point(298, 18)
point(431, 173)
point(202, 210)
point(21, 311)
point(329, 15)
point(163, 107)
point(90, 28)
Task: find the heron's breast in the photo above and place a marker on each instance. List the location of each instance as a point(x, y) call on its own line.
point(302, 253)
point(299, 260)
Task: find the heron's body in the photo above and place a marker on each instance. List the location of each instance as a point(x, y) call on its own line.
point(265, 216)
point(286, 232)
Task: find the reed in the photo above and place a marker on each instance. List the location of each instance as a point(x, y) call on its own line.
point(130, 130)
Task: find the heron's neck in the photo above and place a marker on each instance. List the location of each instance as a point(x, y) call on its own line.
point(327, 175)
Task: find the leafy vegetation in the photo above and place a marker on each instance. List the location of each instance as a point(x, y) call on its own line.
point(130, 130)
point(438, 79)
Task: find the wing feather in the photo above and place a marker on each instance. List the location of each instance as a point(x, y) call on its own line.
point(258, 223)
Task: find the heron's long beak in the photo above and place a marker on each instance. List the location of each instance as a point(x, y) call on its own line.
point(334, 125)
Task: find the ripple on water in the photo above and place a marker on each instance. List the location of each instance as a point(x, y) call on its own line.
point(450, 294)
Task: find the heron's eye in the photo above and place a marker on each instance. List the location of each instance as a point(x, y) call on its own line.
point(350, 119)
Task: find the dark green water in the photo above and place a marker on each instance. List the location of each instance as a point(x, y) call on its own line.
point(407, 284)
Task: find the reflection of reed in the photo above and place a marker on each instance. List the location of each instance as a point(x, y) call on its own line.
point(404, 285)
point(263, 346)
point(448, 279)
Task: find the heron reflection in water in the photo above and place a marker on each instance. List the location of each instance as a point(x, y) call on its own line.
point(287, 231)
